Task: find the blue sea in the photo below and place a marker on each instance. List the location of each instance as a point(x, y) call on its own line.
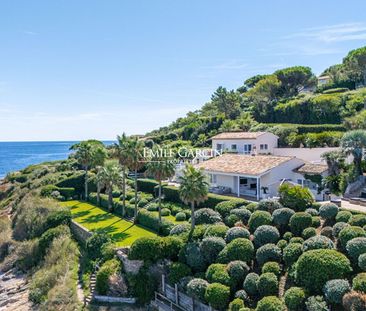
point(15, 156)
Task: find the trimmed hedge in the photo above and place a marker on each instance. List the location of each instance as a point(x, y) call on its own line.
point(66, 192)
point(151, 221)
point(147, 185)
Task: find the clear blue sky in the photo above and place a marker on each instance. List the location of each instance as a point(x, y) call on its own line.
point(93, 69)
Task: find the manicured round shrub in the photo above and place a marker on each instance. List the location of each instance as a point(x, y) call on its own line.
point(243, 214)
point(358, 220)
point(318, 242)
point(94, 244)
point(295, 197)
point(231, 220)
point(207, 216)
point(338, 228)
point(179, 229)
point(334, 290)
point(359, 282)
point(299, 221)
point(143, 202)
point(273, 267)
point(312, 211)
point(178, 270)
point(216, 273)
point(192, 255)
point(295, 299)
point(362, 262)
point(343, 216)
point(315, 221)
point(211, 247)
point(355, 248)
point(180, 216)
point(315, 267)
point(224, 208)
point(327, 231)
point(316, 205)
point(238, 249)
point(349, 233)
point(288, 236)
point(316, 303)
point(268, 284)
point(308, 233)
point(146, 248)
point(354, 301)
point(217, 295)
point(270, 303)
point(235, 233)
point(152, 207)
point(281, 217)
point(237, 270)
point(236, 305)
point(297, 240)
point(268, 252)
point(259, 218)
point(328, 211)
point(291, 253)
point(250, 284)
point(265, 234)
point(252, 207)
point(197, 288)
point(216, 230)
point(170, 247)
point(269, 205)
point(199, 232)
point(282, 244)
point(242, 294)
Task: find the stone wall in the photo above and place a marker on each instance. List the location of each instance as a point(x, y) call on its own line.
point(130, 266)
point(80, 233)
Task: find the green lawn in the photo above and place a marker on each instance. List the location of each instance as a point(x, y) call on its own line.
point(122, 232)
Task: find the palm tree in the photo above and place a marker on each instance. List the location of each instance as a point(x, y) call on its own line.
point(99, 181)
point(193, 188)
point(135, 160)
point(160, 167)
point(89, 153)
point(334, 160)
point(353, 143)
point(110, 175)
point(120, 149)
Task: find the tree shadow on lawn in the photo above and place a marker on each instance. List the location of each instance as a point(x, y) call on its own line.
point(112, 232)
point(80, 214)
point(97, 218)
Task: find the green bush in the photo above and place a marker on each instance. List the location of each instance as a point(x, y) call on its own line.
point(265, 234)
point(147, 185)
point(308, 233)
point(192, 255)
point(349, 233)
point(165, 212)
point(334, 290)
point(214, 199)
point(359, 282)
point(355, 248)
point(109, 268)
point(268, 252)
point(281, 217)
point(180, 216)
point(328, 211)
point(252, 207)
point(318, 242)
point(76, 181)
point(180, 229)
point(95, 243)
point(237, 270)
point(295, 197)
point(238, 249)
point(295, 299)
point(315, 221)
point(250, 284)
point(236, 305)
point(358, 220)
point(235, 233)
point(343, 216)
point(362, 262)
point(67, 193)
point(288, 236)
point(231, 220)
point(146, 248)
point(144, 202)
point(170, 247)
point(142, 286)
point(216, 230)
point(316, 303)
point(242, 213)
point(315, 267)
point(197, 288)
point(217, 273)
point(151, 221)
point(224, 208)
point(242, 294)
point(282, 244)
point(47, 237)
point(259, 218)
point(207, 216)
point(178, 270)
point(211, 247)
point(269, 205)
point(337, 228)
point(270, 303)
point(297, 240)
point(327, 232)
point(273, 267)
point(27, 255)
point(299, 221)
point(312, 211)
point(217, 295)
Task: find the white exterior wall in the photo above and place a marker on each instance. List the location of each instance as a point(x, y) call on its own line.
point(268, 138)
point(307, 154)
point(227, 181)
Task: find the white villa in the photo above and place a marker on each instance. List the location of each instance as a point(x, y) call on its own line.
point(253, 165)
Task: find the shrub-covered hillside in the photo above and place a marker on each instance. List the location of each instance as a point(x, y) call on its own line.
point(269, 102)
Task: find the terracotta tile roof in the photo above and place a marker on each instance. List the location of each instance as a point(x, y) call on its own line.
point(310, 168)
point(243, 164)
point(238, 135)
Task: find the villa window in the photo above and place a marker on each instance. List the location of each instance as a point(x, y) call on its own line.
point(219, 146)
point(243, 181)
point(247, 149)
point(263, 146)
point(233, 147)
